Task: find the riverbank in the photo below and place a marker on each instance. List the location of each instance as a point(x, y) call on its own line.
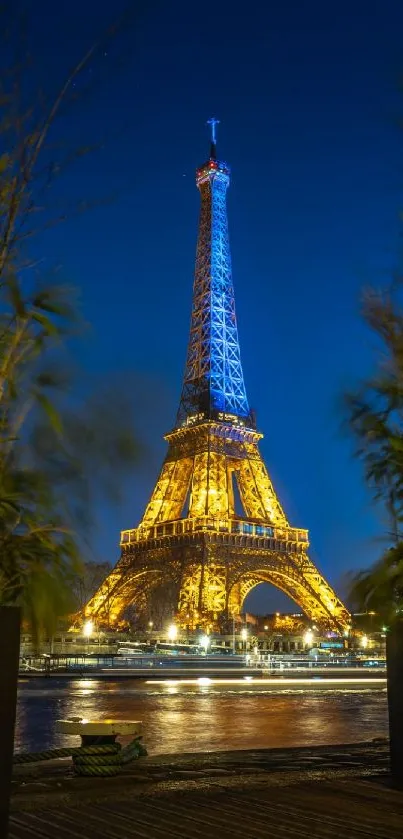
point(310, 792)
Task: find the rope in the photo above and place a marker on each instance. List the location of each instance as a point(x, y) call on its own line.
point(105, 770)
point(103, 760)
point(94, 760)
point(86, 763)
point(51, 754)
point(132, 751)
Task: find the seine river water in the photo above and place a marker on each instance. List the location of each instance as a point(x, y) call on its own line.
point(179, 717)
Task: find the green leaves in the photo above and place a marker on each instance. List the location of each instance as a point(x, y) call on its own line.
point(375, 412)
point(4, 163)
point(16, 299)
point(49, 328)
point(58, 454)
point(375, 417)
point(58, 458)
point(51, 412)
point(380, 588)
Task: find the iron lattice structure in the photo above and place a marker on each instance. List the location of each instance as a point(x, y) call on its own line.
point(190, 534)
point(213, 381)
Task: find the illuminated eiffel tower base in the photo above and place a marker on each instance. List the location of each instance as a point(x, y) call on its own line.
point(191, 538)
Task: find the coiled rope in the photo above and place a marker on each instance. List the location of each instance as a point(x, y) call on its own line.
point(104, 759)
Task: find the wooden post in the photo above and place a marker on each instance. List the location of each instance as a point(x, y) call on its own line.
point(394, 657)
point(10, 620)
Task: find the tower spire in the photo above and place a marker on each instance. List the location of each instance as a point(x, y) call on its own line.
point(213, 385)
point(213, 148)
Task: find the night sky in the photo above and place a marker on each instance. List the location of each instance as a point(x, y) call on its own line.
point(307, 95)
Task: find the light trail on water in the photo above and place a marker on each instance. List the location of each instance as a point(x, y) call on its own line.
point(277, 682)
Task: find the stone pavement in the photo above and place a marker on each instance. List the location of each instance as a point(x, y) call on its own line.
point(320, 793)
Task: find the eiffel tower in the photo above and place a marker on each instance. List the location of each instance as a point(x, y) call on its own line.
point(191, 534)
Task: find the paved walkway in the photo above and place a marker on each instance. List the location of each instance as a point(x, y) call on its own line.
point(348, 808)
point(317, 793)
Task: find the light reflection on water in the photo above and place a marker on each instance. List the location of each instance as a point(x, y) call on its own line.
point(184, 718)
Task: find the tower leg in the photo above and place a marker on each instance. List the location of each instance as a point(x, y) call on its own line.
point(258, 496)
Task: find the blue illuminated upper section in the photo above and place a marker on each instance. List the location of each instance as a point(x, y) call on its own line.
point(213, 386)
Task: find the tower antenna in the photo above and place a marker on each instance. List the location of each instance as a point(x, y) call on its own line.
point(213, 122)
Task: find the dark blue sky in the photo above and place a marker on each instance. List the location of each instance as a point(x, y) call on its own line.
point(307, 95)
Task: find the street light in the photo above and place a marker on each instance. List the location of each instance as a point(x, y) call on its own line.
point(364, 642)
point(244, 636)
point(308, 637)
point(172, 632)
point(88, 629)
point(204, 642)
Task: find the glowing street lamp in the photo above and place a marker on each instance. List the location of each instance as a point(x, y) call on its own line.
point(172, 632)
point(150, 629)
point(308, 637)
point(204, 642)
point(88, 629)
point(244, 636)
point(364, 642)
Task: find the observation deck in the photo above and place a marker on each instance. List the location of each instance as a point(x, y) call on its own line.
point(225, 531)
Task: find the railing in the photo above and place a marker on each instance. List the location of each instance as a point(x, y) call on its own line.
point(182, 527)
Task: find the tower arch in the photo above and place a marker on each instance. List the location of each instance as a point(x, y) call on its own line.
point(295, 587)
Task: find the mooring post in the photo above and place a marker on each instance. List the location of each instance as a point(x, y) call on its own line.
point(10, 621)
point(99, 753)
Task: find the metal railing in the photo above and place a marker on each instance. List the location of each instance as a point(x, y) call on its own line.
point(186, 526)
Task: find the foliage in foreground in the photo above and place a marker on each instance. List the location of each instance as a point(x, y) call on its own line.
point(58, 453)
point(375, 416)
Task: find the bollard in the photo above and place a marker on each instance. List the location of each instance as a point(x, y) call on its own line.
point(99, 753)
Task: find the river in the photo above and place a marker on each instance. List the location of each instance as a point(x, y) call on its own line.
point(179, 717)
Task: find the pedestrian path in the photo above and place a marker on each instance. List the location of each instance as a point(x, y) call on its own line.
point(348, 807)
